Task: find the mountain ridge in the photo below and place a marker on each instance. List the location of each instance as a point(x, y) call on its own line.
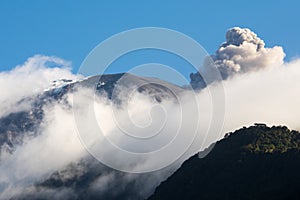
point(244, 165)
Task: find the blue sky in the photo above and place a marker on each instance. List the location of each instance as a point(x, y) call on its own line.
point(71, 29)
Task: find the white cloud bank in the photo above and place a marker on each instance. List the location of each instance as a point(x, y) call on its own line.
point(270, 96)
point(31, 78)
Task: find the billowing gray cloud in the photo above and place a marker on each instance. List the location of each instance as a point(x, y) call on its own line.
point(242, 52)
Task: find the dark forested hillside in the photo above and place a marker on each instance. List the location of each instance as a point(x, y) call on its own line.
point(258, 162)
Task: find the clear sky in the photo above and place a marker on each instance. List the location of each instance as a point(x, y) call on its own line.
point(71, 29)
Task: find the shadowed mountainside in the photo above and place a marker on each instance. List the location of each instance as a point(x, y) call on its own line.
point(258, 162)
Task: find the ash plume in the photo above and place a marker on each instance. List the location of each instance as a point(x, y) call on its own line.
point(242, 52)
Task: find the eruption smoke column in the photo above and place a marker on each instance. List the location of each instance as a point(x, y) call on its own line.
point(242, 52)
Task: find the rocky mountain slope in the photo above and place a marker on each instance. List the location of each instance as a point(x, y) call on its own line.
point(74, 180)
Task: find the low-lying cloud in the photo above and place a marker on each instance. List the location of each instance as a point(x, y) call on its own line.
point(30, 79)
point(270, 96)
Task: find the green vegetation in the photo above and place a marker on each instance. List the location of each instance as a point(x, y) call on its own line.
point(262, 139)
point(258, 162)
